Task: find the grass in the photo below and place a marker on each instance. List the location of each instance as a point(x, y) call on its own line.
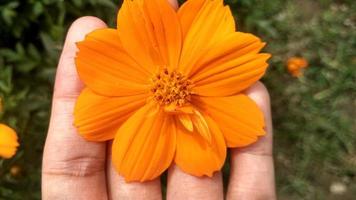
point(314, 115)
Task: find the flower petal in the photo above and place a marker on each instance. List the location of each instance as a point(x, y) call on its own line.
point(98, 118)
point(105, 67)
point(186, 121)
point(188, 12)
point(8, 141)
point(150, 30)
point(239, 118)
point(7, 152)
point(8, 136)
point(231, 48)
point(201, 126)
point(144, 146)
point(195, 155)
point(204, 22)
point(230, 67)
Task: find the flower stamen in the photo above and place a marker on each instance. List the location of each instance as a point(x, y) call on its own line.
point(171, 88)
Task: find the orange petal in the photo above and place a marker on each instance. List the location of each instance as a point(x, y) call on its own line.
point(150, 31)
point(239, 118)
point(201, 126)
point(230, 67)
point(7, 152)
point(144, 146)
point(8, 141)
point(98, 118)
point(230, 49)
point(233, 81)
point(195, 120)
point(196, 156)
point(188, 12)
point(204, 22)
point(105, 67)
point(186, 121)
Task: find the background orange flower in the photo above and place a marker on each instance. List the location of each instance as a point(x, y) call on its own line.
point(295, 66)
point(8, 141)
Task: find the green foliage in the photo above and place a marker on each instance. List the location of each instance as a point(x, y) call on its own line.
point(313, 115)
point(32, 34)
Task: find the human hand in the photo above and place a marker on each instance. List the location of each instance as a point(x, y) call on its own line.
point(74, 168)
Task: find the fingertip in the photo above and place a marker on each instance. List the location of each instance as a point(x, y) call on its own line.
point(259, 93)
point(68, 83)
point(174, 4)
point(264, 145)
point(82, 26)
point(77, 32)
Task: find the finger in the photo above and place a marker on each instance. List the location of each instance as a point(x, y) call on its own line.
point(181, 185)
point(252, 170)
point(72, 167)
point(119, 189)
point(174, 3)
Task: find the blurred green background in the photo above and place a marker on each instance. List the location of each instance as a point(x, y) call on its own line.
point(314, 115)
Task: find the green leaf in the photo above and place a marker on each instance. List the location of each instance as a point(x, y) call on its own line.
point(37, 8)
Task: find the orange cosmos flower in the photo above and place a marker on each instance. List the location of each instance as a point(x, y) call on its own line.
point(296, 65)
point(168, 86)
point(8, 141)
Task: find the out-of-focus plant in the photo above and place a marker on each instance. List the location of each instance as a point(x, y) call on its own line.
point(31, 38)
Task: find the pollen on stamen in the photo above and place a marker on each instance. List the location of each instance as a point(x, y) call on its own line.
point(171, 88)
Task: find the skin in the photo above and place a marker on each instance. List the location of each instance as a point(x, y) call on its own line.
point(74, 168)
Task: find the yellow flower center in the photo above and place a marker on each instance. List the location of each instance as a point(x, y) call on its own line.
point(171, 89)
